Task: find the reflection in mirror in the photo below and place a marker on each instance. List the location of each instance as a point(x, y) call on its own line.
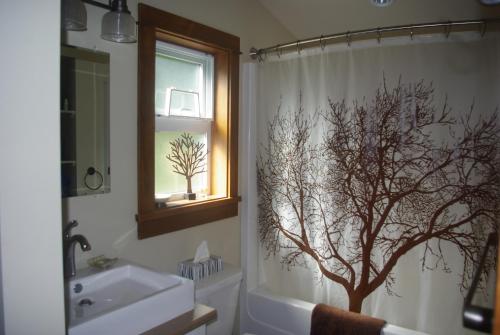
point(84, 122)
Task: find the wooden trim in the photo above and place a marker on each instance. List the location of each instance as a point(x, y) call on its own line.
point(157, 224)
point(186, 29)
point(219, 168)
point(186, 322)
point(146, 126)
point(157, 25)
point(234, 81)
point(195, 206)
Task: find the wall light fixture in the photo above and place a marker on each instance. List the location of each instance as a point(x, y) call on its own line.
point(73, 15)
point(381, 3)
point(117, 25)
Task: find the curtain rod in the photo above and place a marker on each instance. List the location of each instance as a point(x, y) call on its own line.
point(465, 25)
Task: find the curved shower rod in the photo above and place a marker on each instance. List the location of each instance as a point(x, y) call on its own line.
point(423, 28)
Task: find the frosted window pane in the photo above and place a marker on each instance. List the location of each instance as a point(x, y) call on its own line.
point(175, 73)
point(168, 182)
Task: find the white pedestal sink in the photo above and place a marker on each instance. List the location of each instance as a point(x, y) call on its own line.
point(125, 299)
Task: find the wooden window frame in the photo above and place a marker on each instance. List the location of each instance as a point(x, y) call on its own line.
point(154, 25)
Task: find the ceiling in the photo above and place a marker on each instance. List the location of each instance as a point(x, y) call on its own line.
point(309, 18)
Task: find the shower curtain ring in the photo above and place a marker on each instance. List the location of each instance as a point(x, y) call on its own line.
point(278, 51)
point(298, 47)
point(411, 33)
point(379, 35)
point(321, 43)
point(447, 29)
point(483, 28)
point(260, 57)
point(348, 36)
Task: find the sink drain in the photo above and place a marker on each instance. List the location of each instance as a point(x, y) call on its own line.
point(85, 302)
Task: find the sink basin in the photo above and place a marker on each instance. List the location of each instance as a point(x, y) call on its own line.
point(126, 299)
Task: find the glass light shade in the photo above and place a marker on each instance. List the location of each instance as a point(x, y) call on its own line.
point(73, 15)
point(381, 3)
point(118, 27)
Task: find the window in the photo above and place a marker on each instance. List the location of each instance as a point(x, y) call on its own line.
point(183, 106)
point(187, 123)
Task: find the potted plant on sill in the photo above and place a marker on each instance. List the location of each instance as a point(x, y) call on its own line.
point(188, 158)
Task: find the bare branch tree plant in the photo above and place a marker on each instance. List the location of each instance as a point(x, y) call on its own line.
point(188, 158)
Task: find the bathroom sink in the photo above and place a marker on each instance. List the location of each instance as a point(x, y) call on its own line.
point(125, 299)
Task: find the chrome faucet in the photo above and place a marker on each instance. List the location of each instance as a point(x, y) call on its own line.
point(69, 243)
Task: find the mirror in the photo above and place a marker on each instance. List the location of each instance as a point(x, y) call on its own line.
point(84, 104)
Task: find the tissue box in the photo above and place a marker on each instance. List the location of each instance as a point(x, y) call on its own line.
point(198, 271)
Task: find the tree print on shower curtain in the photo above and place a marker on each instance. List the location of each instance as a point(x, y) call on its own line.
point(380, 182)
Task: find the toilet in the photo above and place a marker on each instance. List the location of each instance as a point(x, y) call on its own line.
point(220, 291)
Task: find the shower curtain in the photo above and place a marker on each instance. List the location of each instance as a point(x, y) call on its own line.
point(297, 90)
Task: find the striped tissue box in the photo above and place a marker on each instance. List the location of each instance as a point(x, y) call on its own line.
point(198, 271)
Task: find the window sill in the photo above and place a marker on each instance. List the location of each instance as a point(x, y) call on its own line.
point(184, 202)
point(169, 219)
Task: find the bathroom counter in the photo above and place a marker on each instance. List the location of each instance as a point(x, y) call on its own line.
point(186, 322)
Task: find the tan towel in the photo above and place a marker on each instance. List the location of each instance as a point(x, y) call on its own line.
point(328, 320)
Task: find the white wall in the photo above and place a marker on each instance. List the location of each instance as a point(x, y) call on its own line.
point(2, 321)
point(315, 17)
point(108, 220)
point(30, 203)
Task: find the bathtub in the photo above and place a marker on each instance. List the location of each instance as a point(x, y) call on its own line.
point(270, 314)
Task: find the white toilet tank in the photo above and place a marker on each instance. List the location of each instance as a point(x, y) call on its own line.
point(220, 291)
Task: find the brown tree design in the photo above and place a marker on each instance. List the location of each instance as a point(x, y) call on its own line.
point(381, 181)
point(188, 157)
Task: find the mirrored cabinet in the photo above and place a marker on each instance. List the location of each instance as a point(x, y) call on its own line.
point(84, 122)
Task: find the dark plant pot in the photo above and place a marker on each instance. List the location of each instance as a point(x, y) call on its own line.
point(190, 196)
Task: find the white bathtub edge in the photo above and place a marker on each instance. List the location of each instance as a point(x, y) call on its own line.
point(267, 310)
point(396, 330)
